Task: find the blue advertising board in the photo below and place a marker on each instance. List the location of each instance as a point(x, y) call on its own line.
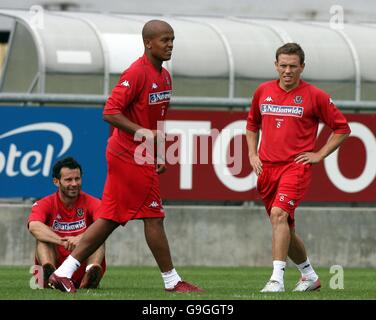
point(32, 139)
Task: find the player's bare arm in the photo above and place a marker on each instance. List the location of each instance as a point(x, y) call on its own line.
point(44, 233)
point(254, 160)
point(315, 157)
point(122, 122)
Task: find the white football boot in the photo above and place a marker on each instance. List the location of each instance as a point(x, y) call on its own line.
point(307, 285)
point(273, 286)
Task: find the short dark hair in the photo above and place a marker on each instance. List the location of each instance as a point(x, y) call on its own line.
point(291, 48)
point(67, 162)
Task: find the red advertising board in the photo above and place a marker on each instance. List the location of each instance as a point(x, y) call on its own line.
point(207, 159)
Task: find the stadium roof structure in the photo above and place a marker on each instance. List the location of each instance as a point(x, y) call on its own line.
point(84, 53)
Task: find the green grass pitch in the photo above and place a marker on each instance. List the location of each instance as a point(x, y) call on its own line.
point(219, 283)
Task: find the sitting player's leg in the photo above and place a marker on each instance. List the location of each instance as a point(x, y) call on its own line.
point(92, 239)
point(94, 269)
point(46, 256)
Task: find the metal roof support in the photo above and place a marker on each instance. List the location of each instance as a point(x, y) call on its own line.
point(230, 56)
point(41, 75)
point(354, 53)
point(41, 58)
point(71, 100)
point(33, 83)
point(5, 65)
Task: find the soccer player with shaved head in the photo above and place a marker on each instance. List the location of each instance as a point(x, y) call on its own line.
point(288, 111)
point(135, 109)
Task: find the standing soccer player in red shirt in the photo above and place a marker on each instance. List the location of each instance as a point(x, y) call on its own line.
point(288, 112)
point(137, 103)
point(59, 221)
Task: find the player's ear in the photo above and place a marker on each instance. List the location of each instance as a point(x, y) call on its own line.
point(56, 182)
point(276, 65)
point(147, 43)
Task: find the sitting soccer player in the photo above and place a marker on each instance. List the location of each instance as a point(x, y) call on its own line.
point(58, 222)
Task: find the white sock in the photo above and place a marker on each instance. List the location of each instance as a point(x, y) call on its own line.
point(278, 271)
point(88, 267)
point(307, 271)
point(68, 267)
point(170, 278)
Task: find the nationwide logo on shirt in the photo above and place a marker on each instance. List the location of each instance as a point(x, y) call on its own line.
point(290, 111)
point(69, 226)
point(159, 97)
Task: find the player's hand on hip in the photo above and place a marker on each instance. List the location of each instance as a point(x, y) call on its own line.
point(308, 157)
point(144, 133)
point(160, 168)
point(156, 136)
point(159, 136)
point(256, 164)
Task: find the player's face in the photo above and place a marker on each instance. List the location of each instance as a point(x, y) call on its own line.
point(289, 70)
point(70, 182)
point(161, 45)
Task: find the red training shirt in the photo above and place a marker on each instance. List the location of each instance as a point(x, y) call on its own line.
point(142, 95)
point(289, 120)
point(65, 221)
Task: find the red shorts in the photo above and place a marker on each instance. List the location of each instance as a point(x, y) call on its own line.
point(62, 254)
point(131, 192)
point(284, 186)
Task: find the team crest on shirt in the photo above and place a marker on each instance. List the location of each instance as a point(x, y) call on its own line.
point(58, 216)
point(168, 81)
point(298, 99)
point(80, 212)
point(154, 85)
